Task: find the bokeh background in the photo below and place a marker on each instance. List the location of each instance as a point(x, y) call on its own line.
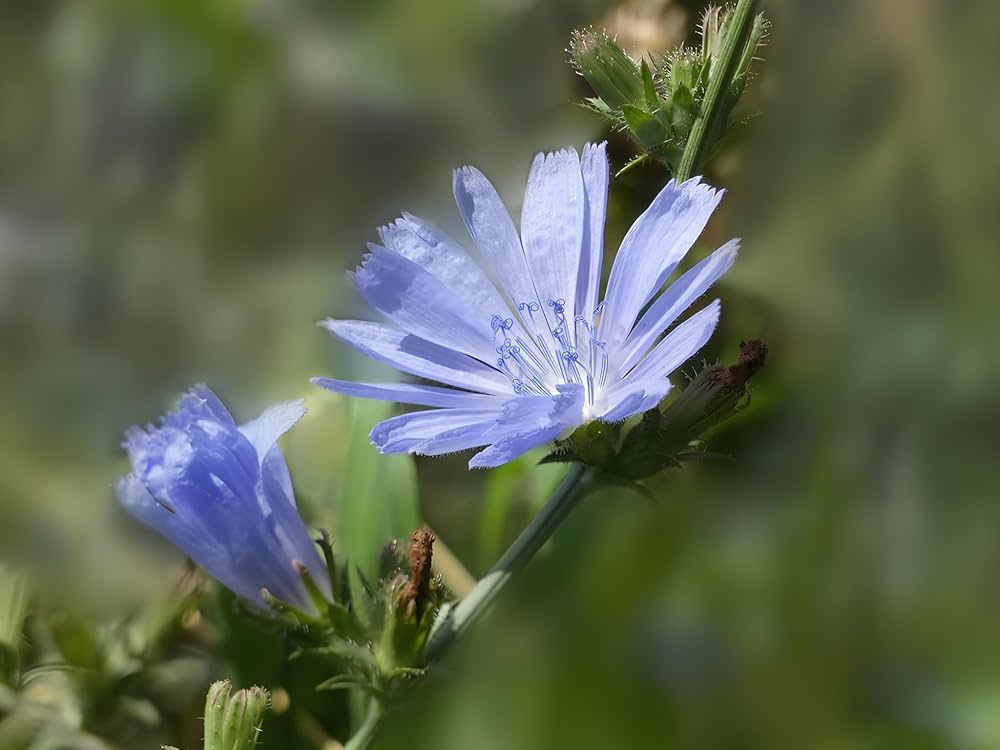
point(184, 183)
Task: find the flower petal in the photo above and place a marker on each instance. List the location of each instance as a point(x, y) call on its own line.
point(679, 345)
point(530, 421)
point(421, 304)
point(652, 248)
point(594, 167)
point(635, 397)
point(264, 431)
point(416, 356)
point(410, 393)
point(490, 225)
point(204, 549)
point(199, 402)
point(669, 305)
point(424, 244)
point(552, 230)
point(408, 432)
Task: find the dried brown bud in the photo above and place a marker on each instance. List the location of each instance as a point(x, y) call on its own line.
point(421, 554)
point(753, 356)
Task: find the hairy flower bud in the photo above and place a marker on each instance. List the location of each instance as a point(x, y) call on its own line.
point(657, 101)
point(664, 438)
point(611, 73)
point(233, 721)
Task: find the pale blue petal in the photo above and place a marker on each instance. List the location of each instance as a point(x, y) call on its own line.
point(652, 248)
point(420, 304)
point(679, 345)
point(264, 431)
point(491, 227)
point(444, 258)
point(552, 227)
point(408, 432)
point(673, 302)
point(416, 356)
point(199, 402)
point(626, 399)
point(471, 435)
point(530, 421)
point(410, 393)
point(594, 167)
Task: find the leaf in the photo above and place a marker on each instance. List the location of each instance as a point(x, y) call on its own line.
point(634, 162)
point(342, 682)
point(649, 88)
point(684, 109)
point(353, 654)
point(377, 500)
point(558, 457)
point(648, 131)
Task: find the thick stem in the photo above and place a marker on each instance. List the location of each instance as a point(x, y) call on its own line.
point(365, 736)
point(723, 67)
point(459, 619)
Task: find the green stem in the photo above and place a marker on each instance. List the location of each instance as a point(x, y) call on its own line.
point(458, 620)
point(365, 736)
point(737, 33)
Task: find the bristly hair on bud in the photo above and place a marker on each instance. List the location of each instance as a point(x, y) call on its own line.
point(657, 101)
point(233, 721)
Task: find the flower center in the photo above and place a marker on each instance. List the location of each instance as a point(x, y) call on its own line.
point(546, 350)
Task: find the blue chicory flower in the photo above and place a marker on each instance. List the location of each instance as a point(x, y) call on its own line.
point(222, 494)
point(535, 355)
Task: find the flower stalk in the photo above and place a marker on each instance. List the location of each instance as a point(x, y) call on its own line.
point(738, 31)
point(365, 736)
point(454, 622)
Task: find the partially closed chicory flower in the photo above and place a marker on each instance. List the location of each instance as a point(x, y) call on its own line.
point(221, 492)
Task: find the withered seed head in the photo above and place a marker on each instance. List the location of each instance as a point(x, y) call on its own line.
point(421, 555)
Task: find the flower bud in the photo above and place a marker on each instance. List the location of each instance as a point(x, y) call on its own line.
point(232, 722)
point(611, 73)
point(657, 102)
point(664, 438)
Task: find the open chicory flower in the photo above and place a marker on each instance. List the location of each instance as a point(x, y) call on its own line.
point(534, 355)
point(223, 495)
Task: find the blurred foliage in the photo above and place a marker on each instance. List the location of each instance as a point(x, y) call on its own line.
point(182, 185)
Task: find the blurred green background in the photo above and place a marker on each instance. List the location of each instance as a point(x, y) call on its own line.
point(183, 184)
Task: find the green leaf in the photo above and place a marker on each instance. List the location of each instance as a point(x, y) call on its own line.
point(649, 87)
point(356, 656)
point(377, 500)
point(558, 457)
point(343, 682)
point(646, 129)
point(684, 109)
point(634, 162)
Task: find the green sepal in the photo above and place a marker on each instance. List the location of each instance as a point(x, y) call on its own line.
point(648, 131)
point(649, 87)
